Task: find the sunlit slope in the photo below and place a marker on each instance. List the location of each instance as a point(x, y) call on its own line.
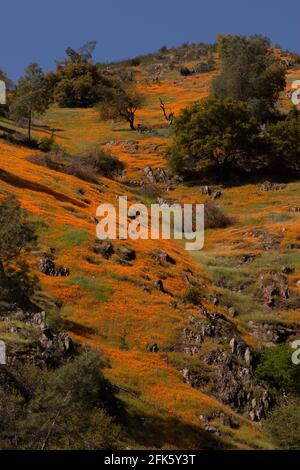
point(106, 304)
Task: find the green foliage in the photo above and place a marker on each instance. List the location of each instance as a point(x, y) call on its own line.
point(78, 84)
point(215, 136)
point(31, 97)
point(284, 425)
point(284, 142)
point(16, 233)
point(46, 144)
point(103, 163)
point(249, 73)
point(192, 295)
point(276, 368)
point(59, 409)
point(94, 286)
point(122, 104)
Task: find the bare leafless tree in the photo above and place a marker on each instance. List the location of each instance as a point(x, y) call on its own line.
point(169, 117)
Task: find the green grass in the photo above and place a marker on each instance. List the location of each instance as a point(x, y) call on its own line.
point(72, 238)
point(92, 285)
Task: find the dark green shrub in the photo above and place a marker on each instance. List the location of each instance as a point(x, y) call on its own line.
point(249, 73)
point(283, 425)
point(215, 137)
point(283, 139)
point(192, 295)
point(276, 368)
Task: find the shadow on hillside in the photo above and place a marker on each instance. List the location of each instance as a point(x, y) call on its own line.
point(167, 431)
point(78, 328)
point(242, 180)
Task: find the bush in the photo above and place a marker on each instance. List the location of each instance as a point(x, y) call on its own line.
point(105, 163)
point(249, 73)
point(214, 217)
point(87, 167)
point(135, 62)
point(78, 84)
point(283, 139)
point(284, 425)
point(215, 137)
point(61, 408)
point(47, 144)
point(192, 295)
point(276, 368)
point(16, 236)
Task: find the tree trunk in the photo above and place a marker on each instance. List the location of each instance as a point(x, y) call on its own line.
point(131, 121)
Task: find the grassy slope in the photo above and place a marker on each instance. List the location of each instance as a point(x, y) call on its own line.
point(103, 305)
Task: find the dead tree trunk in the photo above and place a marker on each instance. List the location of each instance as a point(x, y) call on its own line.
point(168, 117)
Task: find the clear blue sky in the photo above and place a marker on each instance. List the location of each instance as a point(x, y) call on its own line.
point(39, 31)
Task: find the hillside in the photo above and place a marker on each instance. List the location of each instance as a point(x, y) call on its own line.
point(113, 304)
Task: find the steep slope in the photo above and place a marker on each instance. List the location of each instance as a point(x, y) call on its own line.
point(113, 305)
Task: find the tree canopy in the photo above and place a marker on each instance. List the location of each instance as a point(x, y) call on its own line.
point(217, 136)
point(31, 96)
point(249, 73)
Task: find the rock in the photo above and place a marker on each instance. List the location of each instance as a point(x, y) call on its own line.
point(126, 253)
point(248, 357)
point(159, 285)
point(274, 286)
point(216, 195)
point(260, 413)
point(252, 415)
point(287, 269)
point(253, 403)
point(162, 257)
point(232, 345)
point(212, 429)
point(186, 375)
point(48, 267)
point(247, 258)
point(268, 186)
point(153, 348)
point(298, 283)
point(216, 301)
point(232, 312)
point(185, 71)
point(206, 190)
point(103, 248)
point(271, 332)
point(156, 175)
point(293, 246)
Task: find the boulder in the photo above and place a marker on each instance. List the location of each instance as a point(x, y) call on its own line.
point(126, 253)
point(103, 248)
point(48, 267)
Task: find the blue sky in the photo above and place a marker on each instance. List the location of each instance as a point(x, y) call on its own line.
point(39, 31)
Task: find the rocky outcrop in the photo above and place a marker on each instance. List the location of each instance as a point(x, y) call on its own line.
point(162, 258)
point(48, 267)
point(104, 248)
point(274, 287)
point(41, 344)
point(227, 368)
